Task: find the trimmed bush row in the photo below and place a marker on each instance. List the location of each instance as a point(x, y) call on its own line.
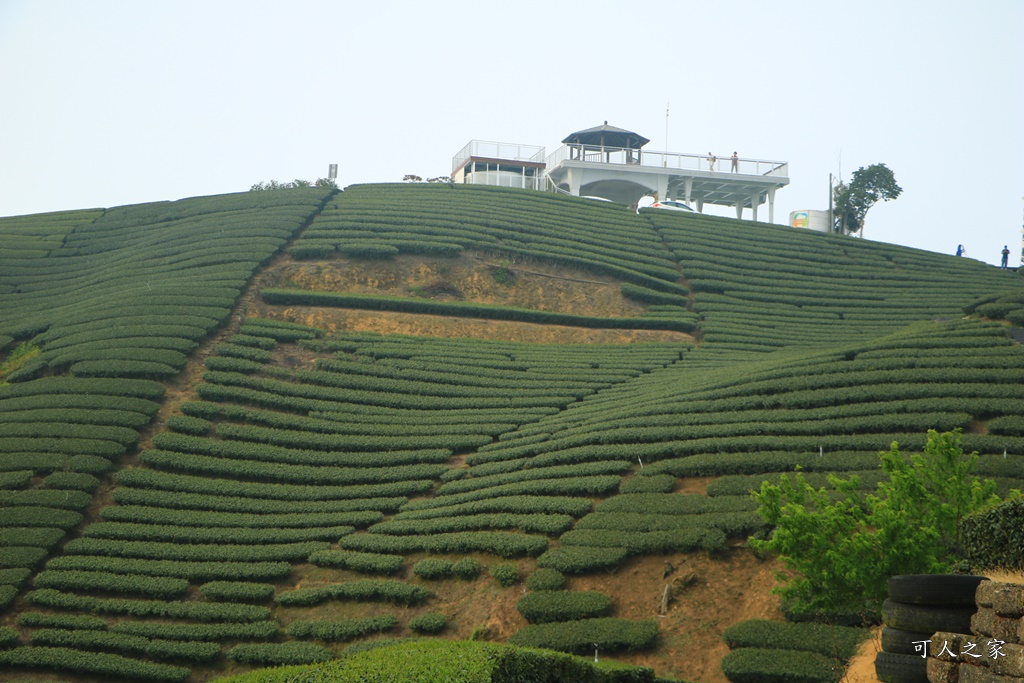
point(64, 621)
point(495, 542)
point(838, 642)
point(607, 633)
point(674, 540)
point(194, 571)
point(150, 479)
point(219, 535)
point(193, 553)
point(292, 297)
point(545, 524)
point(579, 486)
point(758, 665)
point(135, 514)
point(137, 645)
point(277, 654)
point(524, 505)
point(257, 506)
point(428, 623)
point(366, 590)
point(75, 580)
point(98, 663)
point(199, 611)
point(581, 559)
point(256, 630)
point(540, 607)
point(344, 629)
point(237, 591)
point(366, 563)
point(546, 580)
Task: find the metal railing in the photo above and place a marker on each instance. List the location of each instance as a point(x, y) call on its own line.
point(509, 151)
point(507, 179)
point(622, 156)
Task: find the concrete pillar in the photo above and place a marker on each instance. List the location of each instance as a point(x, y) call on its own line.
point(700, 205)
point(739, 211)
point(755, 199)
point(663, 186)
point(575, 176)
point(689, 189)
point(771, 204)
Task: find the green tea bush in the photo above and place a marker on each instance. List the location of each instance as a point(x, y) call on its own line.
point(433, 568)
point(41, 537)
point(195, 571)
point(655, 483)
point(468, 568)
point(277, 654)
point(344, 629)
point(365, 563)
point(48, 597)
point(542, 606)
point(255, 630)
point(608, 633)
point(8, 636)
point(994, 537)
point(505, 574)
point(546, 580)
point(80, 481)
point(237, 591)
point(366, 590)
point(581, 559)
point(65, 621)
point(428, 623)
point(121, 642)
point(7, 595)
point(95, 663)
point(73, 580)
point(188, 425)
point(756, 665)
point(839, 642)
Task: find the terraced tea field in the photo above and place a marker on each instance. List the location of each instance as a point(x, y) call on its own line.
point(198, 475)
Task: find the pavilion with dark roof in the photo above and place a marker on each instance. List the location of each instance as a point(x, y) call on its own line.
point(610, 162)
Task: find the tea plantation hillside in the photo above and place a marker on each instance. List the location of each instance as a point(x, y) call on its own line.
point(211, 458)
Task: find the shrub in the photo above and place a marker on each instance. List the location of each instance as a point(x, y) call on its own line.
point(655, 483)
point(8, 636)
point(505, 574)
point(276, 654)
point(543, 606)
point(66, 621)
point(431, 622)
point(71, 480)
point(581, 559)
point(345, 629)
point(188, 425)
point(72, 580)
point(467, 568)
point(545, 580)
point(366, 590)
point(366, 563)
point(236, 591)
point(607, 633)
point(97, 663)
point(256, 630)
point(756, 665)
point(839, 642)
point(433, 568)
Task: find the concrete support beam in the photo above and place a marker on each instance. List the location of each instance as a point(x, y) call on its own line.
point(754, 200)
point(771, 204)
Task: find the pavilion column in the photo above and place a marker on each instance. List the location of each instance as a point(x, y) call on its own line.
point(771, 204)
point(755, 199)
point(663, 187)
point(689, 189)
point(739, 211)
point(700, 205)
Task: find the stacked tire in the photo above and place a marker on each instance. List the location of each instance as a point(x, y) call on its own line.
point(918, 606)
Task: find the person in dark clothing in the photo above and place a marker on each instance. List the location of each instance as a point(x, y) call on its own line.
point(960, 250)
point(1006, 256)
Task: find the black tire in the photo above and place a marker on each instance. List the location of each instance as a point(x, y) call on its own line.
point(934, 589)
point(892, 668)
point(899, 642)
point(926, 618)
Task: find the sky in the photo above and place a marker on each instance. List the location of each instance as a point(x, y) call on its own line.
point(113, 102)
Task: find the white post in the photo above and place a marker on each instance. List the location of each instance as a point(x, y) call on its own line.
point(754, 201)
point(771, 204)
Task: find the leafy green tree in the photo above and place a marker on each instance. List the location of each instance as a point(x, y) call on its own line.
point(840, 546)
point(868, 186)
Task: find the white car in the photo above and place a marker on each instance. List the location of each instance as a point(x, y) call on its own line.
point(672, 204)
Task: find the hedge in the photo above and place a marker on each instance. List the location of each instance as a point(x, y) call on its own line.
point(838, 642)
point(124, 643)
point(499, 543)
point(217, 535)
point(98, 663)
point(81, 481)
point(366, 563)
point(468, 568)
point(255, 630)
point(195, 571)
point(433, 568)
point(237, 591)
point(344, 629)
point(90, 581)
point(158, 516)
point(366, 590)
point(756, 665)
point(64, 621)
point(276, 654)
point(545, 580)
point(48, 597)
point(543, 606)
point(581, 559)
point(505, 574)
point(607, 633)
point(428, 623)
point(995, 537)
point(193, 552)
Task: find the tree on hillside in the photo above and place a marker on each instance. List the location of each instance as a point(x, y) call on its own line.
point(868, 186)
point(842, 545)
point(297, 183)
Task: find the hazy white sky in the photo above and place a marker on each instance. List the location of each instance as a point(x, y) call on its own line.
point(112, 102)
